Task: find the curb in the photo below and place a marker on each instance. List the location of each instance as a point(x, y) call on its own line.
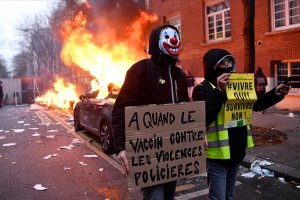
point(287, 172)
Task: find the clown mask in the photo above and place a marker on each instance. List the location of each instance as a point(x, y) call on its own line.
point(169, 42)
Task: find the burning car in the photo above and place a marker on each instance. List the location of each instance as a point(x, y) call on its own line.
point(95, 115)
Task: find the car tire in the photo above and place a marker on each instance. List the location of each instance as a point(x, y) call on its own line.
point(77, 125)
point(106, 138)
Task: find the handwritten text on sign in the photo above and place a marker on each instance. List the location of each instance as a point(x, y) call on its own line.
point(164, 142)
point(241, 98)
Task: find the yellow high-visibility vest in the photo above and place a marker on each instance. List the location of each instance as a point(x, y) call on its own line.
point(218, 139)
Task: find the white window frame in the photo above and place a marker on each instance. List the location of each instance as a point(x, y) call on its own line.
point(175, 21)
point(214, 15)
point(286, 11)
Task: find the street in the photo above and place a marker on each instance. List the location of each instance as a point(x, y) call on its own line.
point(40, 146)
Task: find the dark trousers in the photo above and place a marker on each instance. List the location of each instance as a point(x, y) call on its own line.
point(164, 191)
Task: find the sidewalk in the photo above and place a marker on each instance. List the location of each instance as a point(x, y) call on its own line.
point(285, 156)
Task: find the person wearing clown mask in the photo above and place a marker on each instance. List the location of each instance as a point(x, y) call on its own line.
point(156, 80)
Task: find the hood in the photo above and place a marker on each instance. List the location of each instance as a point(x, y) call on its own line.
point(210, 59)
point(156, 54)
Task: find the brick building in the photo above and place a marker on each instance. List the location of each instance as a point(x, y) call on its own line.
point(206, 24)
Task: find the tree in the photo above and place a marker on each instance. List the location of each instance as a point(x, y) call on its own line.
point(20, 63)
point(39, 45)
point(3, 70)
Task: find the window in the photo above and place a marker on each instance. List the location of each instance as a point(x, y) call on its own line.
point(175, 21)
point(218, 21)
point(285, 14)
point(285, 69)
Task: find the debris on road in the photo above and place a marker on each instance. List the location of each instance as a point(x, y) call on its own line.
point(248, 175)
point(18, 130)
point(82, 163)
point(76, 140)
point(8, 144)
point(49, 156)
point(39, 187)
point(90, 156)
point(51, 131)
point(256, 168)
point(66, 147)
point(282, 180)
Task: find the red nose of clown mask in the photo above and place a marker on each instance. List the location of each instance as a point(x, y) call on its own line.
point(169, 42)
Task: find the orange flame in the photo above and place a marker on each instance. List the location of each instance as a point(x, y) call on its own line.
point(61, 96)
point(104, 56)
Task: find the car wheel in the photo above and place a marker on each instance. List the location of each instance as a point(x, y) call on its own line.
point(106, 138)
point(77, 124)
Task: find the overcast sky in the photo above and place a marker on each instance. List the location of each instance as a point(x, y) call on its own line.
point(12, 12)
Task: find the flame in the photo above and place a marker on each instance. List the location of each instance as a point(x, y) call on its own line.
point(62, 95)
point(106, 54)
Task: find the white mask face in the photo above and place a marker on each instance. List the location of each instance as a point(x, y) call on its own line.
point(169, 42)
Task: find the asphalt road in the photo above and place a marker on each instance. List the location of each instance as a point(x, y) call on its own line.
point(40, 133)
point(22, 165)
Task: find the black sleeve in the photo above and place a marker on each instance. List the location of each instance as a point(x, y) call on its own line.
point(1, 91)
point(128, 96)
point(213, 98)
point(267, 100)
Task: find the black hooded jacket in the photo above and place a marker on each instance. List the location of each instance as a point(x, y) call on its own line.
point(149, 81)
point(214, 99)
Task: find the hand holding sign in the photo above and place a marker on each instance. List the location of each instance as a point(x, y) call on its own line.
point(124, 161)
point(222, 81)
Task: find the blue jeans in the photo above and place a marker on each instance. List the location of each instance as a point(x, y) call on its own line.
point(221, 176)
point(164, 191)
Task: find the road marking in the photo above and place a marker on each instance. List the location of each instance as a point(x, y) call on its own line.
point(111, 160)
point(44, 119)
point(192, 195)
point(198, 193)
point(185, 187)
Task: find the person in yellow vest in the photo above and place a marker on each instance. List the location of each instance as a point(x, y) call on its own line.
point(225, 147)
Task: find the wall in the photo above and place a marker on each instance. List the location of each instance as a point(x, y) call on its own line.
point(192, 14)
point(276, 45)
point(279, 45)
point(10, 87)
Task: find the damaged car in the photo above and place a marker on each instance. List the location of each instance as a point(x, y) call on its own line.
point(95, 116)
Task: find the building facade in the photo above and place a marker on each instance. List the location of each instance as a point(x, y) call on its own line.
point(207, 24)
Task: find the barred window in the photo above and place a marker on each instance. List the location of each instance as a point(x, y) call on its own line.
point(285, 14)
point(218, 21)
point(289, 69)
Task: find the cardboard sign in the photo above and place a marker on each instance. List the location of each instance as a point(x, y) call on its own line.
point(241, 98)
point(164, 142)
